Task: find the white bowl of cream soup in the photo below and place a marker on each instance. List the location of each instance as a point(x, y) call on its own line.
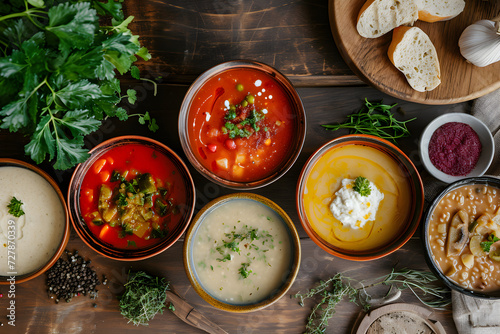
point(34, 226)
point(242, 252)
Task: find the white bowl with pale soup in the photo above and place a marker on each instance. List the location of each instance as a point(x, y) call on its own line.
point(242, 252)
point(34, 227)
point(359, 197)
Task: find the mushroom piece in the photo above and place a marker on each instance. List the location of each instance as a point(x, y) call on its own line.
point(458, 233)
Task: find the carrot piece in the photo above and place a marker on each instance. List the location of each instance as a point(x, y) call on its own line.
point(104, 232)
point(105, 176)
point(99, 165)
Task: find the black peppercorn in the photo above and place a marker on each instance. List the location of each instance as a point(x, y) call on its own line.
point(68, 278)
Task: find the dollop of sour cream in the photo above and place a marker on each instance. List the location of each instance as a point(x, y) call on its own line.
point(352, 209)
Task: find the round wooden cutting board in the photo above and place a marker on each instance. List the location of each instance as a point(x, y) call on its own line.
point(367, 57)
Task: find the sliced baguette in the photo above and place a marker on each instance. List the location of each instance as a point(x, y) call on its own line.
point(413, 53)
point(439, 10)
point(378, 17)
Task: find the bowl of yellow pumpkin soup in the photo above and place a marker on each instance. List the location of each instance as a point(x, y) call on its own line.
point(359, 197)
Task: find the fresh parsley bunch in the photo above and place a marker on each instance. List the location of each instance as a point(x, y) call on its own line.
point(58, 73)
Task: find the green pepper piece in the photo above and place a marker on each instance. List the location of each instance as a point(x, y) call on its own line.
point(146, 183)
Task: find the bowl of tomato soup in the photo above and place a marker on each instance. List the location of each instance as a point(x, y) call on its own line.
point(359, 197)
point(242, 124)
point(132, 199)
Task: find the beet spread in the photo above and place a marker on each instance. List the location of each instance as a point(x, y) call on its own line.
point(454, 148)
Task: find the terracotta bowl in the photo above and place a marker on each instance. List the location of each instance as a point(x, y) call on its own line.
point(406, 174)
point(61, 242)
point(139, 253)
point(193, 234)
point(429, 255)
point(297, 119)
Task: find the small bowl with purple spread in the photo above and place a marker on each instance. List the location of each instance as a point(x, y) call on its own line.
point(456, 145)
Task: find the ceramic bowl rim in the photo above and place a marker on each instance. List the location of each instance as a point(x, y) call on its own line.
point(89, 239)
point(414, 216)
point(484, 179)
point(66, 231)
point(295, 101)
point(477, 125)
point(294, 239)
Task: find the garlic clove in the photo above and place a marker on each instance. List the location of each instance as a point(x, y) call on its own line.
point(480, 43)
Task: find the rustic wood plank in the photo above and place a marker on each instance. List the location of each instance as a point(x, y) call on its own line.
point(367, 57)
point(186, 38)
point(38, 314)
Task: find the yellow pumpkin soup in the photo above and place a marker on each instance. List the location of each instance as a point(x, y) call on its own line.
point(350, 162)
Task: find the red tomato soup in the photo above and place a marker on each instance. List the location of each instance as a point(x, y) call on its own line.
point(241, 125)
point(130, 196)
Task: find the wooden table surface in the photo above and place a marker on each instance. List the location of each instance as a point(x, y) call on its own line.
point(186, 38)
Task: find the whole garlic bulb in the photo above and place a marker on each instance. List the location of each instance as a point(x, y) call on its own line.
point(480, 43)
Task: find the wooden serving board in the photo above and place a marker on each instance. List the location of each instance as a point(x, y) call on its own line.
point(367, 57)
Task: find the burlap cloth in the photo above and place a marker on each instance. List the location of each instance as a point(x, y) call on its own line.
point(473, 315)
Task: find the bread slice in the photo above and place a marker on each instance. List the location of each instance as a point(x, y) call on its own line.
point(378, 17)
point(413, 53)
point(439, 10)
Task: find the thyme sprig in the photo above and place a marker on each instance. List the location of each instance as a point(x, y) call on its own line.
point(144, 297)
point(376, 119)
point(336, 288)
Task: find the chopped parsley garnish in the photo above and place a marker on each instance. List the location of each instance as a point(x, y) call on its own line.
point(243, 239)
point(226, 257)
point(248, 123)
point(121, 200)
point(15, 207)
point(244, 272)
point(131, 243)
point(362, 186)
point(486, 245)
point(233, 245)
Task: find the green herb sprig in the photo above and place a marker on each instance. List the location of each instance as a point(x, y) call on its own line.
point(486, 245)
point(362, 186)
point(374, 119)
point(338, 287)
point(15, 207)
point(144, 297)
point(58, 69)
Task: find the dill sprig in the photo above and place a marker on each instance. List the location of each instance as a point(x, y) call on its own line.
point(144, 297)
point(374, 119)
point(336, 288)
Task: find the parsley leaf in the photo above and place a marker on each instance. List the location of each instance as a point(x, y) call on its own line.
point(244, 272)
point(135, 73)
point(74, 24)
point(132, 96)
point(486, 245)
point(362, 186)
point(57, 73)
point(112, 8)
point(15, 207)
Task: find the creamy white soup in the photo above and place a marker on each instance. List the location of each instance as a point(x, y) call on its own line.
point(242, 252)
point(37, 233)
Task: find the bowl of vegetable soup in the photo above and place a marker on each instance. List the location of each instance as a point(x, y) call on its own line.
point(242, 125)
point(132, 199)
